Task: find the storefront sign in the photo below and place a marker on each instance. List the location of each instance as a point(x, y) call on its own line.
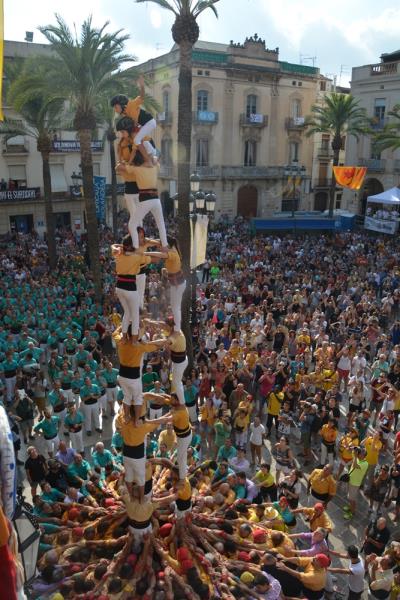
point(381, 225)
point(15, 195)
point(74, 146)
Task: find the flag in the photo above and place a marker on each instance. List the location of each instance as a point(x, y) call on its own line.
point(1, 57)
point(350, 177)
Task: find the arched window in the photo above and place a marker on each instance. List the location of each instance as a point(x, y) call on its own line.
point(202, 100)
point(165, 101)
point(251, 105)
point(296, 108)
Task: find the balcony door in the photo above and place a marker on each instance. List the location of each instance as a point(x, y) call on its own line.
point(247, 201)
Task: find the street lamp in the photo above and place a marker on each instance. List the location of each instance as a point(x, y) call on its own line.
point(194, 183)
point(76, 184)
point(296, 173)
point(211, 201)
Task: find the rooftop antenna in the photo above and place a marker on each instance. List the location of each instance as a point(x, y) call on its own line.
point(303, 57)
point(344, 70)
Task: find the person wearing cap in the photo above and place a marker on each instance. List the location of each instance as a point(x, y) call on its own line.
point(322, 484)
point(316, 517)
point(312, 576)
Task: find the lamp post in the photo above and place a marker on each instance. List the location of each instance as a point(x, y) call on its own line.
point(296, 173)
point(76, 184)
point(200, 203)
point(28, 534)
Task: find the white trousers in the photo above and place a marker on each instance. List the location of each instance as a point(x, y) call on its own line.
point(69, 396)
point(325, 456)
point(103, 402)
point(139, 534)
point(177, 371)
point(175, 294)
point(91, 414)
point(76, 440)
point(10, 386)
point(132, 202)
point(52, 445)
point(192, 413)
point(141, 287)
point(112, 394)
point(135, 470)
point(130, 303)
point(153, 206)
point(133, 390)
point(155, 413)
point(181, 454)
point(146, 130)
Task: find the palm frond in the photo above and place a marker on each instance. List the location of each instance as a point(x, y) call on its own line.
point(204, 5)
point(163, 4)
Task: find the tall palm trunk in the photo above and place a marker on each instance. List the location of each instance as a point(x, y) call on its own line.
point(114, 196)
point(184, 151)
point(336, 146)
point(48, 209)
point(85, 139)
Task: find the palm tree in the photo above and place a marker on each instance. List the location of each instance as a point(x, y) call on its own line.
point(185, 32)
point(389, 137)
point(84, 69)
point(40, 114)
point(339, 115)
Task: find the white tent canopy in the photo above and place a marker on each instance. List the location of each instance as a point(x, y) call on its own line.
point(391, 196)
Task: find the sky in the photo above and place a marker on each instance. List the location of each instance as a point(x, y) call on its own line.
point(334, 35)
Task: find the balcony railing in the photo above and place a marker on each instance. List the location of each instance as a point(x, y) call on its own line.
point(374, 165)
point(207, 172)
point(385, 68)
point(166, 171)
point(25, 195)
point(378, 124)
point(22, 148)
point(253, 120)
point(252, 172)
point(164, 118)
point(325, 151)
point(74, 146)
point(205, 117)
point(322, 182)
point(295, 123)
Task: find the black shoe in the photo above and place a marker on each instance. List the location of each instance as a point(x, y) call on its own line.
point(99, 430)
point(66, 433)
point(105, 416)
point(89, 433)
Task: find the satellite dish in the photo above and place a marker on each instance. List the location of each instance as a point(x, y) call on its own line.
point(29, 36)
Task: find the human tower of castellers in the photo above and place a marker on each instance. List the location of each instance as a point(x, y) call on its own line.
point(153, 529)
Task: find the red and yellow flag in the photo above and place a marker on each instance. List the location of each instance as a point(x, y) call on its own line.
point(1, 57)
point(350, 177)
